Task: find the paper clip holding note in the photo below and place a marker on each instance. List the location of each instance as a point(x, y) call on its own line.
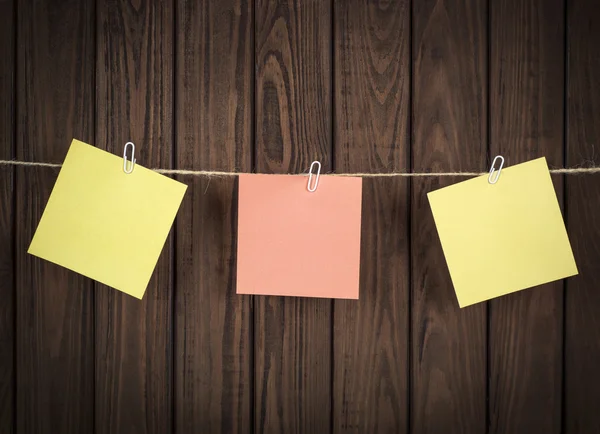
point(132, 162)
point(310, 177)
point(492, 170)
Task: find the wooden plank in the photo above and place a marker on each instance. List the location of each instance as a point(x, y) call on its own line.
point(213, 342)
point(449, 134)
point(293, 128)
point(372, 86)
point(582, 298)
point(7, 197)
point(54, 306)
point(526, 114)
point(134, 350)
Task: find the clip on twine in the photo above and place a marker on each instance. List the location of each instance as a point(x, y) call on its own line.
point(492, 170)
point(132, 162)
point(310, 177)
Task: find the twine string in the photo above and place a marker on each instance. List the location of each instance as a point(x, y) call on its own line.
point(217, 173)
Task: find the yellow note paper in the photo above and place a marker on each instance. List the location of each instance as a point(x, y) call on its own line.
point(106, 224)
point(504, 237)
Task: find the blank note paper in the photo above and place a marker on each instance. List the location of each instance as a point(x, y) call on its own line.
point(297, 243)
point(504, 237)
point(106, 224)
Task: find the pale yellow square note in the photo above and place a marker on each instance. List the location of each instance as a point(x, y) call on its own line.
point(504, 237)
point(106, 224)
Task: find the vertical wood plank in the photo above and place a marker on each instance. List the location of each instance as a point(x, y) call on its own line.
point(134, 102)
point(293, 128)
point(526, 113)
point(582, 298)
point(372, 85)
point(449, 134)
point(7, 236)
point(213, 341)
point(54, 306)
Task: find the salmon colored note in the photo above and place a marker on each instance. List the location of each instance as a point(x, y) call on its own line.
point(106, 224)
point(297, 243)
point(504, 237)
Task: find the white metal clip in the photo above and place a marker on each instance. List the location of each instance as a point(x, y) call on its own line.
point(310, 176)
point(125, 161)
point(492, 170)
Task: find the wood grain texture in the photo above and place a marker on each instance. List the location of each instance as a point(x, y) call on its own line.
point(54, 306)
point(213, 341)
point(134, 350)
point(7, 216)
point(582, 298)
point(526, 96)
point(293, 128)
point(372, 85)
point(178, 78)
point(448, 133)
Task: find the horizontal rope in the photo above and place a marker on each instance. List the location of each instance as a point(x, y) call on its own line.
point(217, 173)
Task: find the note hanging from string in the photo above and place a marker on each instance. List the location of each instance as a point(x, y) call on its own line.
point(503, 237)
point(104, 223)
point(294, 242)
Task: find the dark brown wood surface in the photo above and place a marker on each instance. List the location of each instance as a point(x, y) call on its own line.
point(7, 214)
point(214, 113)
point(448, 359)
point(372, 94)
point(293, 127)
point(134, 94)
point(54, 307)
point(269, 86)
point(582, 297)
point(526, 112)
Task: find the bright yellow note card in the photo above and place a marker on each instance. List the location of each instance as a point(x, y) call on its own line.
point(106, 224)
point(504, 237)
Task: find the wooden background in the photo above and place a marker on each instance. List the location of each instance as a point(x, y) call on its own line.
point(269, 86)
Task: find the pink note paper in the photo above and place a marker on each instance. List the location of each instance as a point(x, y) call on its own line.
point(297, 243)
